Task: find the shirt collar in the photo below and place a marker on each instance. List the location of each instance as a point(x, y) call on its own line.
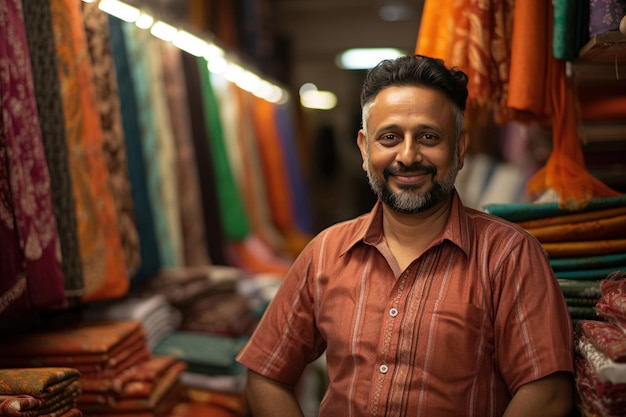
point(369, 229)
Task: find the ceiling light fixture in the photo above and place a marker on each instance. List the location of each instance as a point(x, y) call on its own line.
point(365, 58)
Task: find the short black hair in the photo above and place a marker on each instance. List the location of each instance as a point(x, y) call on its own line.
point(416, 70)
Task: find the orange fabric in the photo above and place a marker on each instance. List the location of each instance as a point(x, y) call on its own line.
point(606, 228)
point(588, 248)
point(475, 36)
point(104, 269)
point(274, 168)
point(604, 105)
point(572, 218)
point(435, 36)
point(530, 57)
point(565, 171)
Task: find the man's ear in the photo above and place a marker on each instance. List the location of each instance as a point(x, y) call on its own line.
point(463, 145)
point(361, 141)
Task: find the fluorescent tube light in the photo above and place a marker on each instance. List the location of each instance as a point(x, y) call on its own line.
point(365, 58)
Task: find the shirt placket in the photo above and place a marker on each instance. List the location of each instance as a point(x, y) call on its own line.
point(388, 344)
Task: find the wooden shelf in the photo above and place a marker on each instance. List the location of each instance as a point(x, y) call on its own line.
point(601, 60)
point(607, 47)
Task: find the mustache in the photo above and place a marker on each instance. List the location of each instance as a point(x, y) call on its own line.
point(415, 168)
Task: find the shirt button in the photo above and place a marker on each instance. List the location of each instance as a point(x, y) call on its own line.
point(383, 369)
point(393, 312)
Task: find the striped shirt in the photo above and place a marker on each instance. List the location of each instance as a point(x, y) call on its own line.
point(472, 319)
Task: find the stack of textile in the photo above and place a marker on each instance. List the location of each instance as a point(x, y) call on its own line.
point(601, 353)
point(585, 246)
point(157, 316)
point(207, 297)
point(39, 392)
point(213, 376)
point(118, 373)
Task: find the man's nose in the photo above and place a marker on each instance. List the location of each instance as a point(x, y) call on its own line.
point(409, 151)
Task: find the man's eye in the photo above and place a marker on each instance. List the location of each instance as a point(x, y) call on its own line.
point(429, 137)
point(390, 137)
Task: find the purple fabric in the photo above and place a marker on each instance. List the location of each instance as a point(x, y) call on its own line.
point(605, 15)
point(30, 271)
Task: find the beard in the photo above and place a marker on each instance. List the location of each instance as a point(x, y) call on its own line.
point(409, 200)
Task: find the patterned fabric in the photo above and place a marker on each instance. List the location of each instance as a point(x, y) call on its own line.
point(30, 271)
point(605, 15)
point(612, 304)
point(157, 142)
point(482, 289)
point(192, 223)
point(41, 383)
point(97, 30)
point(608, 400)
point(37, 19)
point(606, 337)
point(149, 251)
point(18, 405)
point(605, 369)
point(98, 233)
point(476, 36)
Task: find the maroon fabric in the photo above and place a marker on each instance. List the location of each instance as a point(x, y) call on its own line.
point(606, 337)
point(607, 399)
point(30, 269)
point(612, 303)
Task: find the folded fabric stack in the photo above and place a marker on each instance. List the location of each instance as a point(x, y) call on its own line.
point(217, 316)
point(213, 376)
point(157, 316)
point(585, 246)
point(119, 376)
point(39, 392)
point(601, 353)
point(207, 298)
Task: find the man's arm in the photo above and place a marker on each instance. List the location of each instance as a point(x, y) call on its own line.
point(551, 396)
point(268, 398)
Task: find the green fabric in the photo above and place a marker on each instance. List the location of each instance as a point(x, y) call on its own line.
point(203, 353)
point(588, 274)
point(588, 262)
point(235, 222)
point(580, 288)
point(564, 29)
point(517, 212)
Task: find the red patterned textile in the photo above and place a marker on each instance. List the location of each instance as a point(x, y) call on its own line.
point(607, 399)
point(606, 337)
point(30, 271)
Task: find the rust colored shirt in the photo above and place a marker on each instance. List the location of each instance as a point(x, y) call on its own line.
point(472, 319)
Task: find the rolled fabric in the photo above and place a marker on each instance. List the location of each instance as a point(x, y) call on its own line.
point(600, 229)
point(595, 247)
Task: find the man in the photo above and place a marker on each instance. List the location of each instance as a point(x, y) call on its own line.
point(423, 307)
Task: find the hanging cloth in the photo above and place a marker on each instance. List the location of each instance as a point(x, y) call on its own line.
point(38, 23)
point(253, 182)
point(195, 248)
point(103, 260)
point(30, 270)
point(565, 172)
point(215, 234)
point(97, 29)
point(144, 216)
point(235, 222)
point(157, 141)
point(474, 35)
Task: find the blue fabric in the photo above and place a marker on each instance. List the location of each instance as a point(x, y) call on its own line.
point(299, 191)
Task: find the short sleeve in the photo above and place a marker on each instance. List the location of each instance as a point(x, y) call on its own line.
point(533, 328)
point(286, 338)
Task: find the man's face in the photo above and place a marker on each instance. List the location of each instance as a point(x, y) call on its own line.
point(410, 151)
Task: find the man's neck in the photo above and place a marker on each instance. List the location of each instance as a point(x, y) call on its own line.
point(409, 234)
